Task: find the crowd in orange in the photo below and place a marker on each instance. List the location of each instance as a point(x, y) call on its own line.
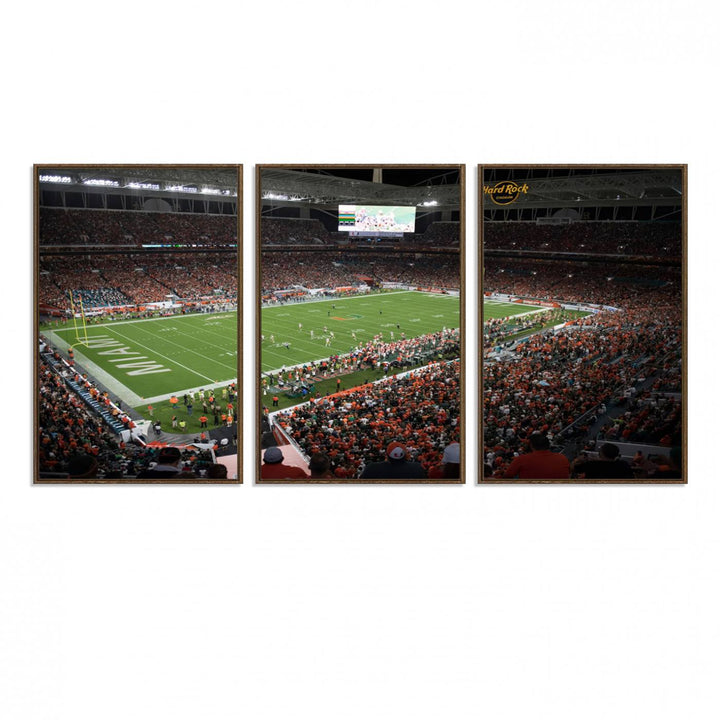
point(330, 269)
point(354, 428)
point(549, 381)
point(611, 238)
point(114, 280)
point(68, 227)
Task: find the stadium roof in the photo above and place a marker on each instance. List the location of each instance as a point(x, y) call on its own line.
point(431, 186)
point(598, 187)
point(223, 180)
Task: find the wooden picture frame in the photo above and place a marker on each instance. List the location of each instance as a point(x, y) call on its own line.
point(172, 193)
point(580, 194)
point(329, 169)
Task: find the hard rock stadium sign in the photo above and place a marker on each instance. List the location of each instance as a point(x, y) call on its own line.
point(505, 192)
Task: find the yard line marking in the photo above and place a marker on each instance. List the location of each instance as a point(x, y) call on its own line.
point(174, 362)
point(194, 352)
point(194, 337)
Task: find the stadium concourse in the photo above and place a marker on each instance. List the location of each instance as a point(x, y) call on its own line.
point(360, 340)
point(137, 318)
point(597, 369)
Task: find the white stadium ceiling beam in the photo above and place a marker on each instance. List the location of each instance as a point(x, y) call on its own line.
point(290, 187)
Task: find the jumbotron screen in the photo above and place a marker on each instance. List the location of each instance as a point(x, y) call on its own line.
point(376, 218)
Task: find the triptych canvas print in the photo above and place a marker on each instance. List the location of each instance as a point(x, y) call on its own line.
point(360, 355)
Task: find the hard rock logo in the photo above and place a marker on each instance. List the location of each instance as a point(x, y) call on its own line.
point(505, 192)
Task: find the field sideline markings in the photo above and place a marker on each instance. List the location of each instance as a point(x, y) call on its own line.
point(196, 316)
point(155, 319)
point(127, 395)
point(174, 362)
point(194, 337)
point(133, 322)
point(186, 349)
point(348, 299)
point(303, 350)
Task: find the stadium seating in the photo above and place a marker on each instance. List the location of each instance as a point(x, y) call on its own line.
point(620, 362)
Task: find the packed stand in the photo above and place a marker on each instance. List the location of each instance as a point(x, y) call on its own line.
point(438, 234)
point(339, 269)
point(600, 284)
point(554, 382)
point(121, 227)
point(117, 280)
point(420, 409)
point(653, 239)
point(75, 442)
point(276, 231)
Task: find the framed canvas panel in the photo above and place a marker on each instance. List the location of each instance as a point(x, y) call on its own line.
point(360, 314)
point(583, 323)
point(137, 323)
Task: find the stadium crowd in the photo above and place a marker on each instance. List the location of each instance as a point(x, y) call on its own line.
point(438, 234)
point(497, 330)
point(601, 284)
point(106, 280)
point(122, 227)
point(374, 354)
point(289, 231)
point(75, 442)
point(285, 231)
point(338, 269)
point(554, 382)
point(607, 238)
point(420, 409)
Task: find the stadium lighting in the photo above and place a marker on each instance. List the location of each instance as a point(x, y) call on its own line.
point(181, 188)
point(274, 196)
point(101, 182)
point(65, 179)
point(428, 203)
point(143, 186)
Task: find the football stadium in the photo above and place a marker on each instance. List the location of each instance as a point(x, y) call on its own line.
point(137, 292)
point(360, 318)
point(583, 324)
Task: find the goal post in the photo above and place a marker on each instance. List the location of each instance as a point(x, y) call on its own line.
point(79, 321)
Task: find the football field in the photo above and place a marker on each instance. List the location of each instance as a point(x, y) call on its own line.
point(493, 309)
point(143, 361)
point(416, 313)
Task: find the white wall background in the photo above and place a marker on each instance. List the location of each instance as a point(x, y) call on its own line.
point(358, 602)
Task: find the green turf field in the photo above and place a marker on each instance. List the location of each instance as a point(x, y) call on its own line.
point(366, 315)
point(493, 309)
point(148, 360)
